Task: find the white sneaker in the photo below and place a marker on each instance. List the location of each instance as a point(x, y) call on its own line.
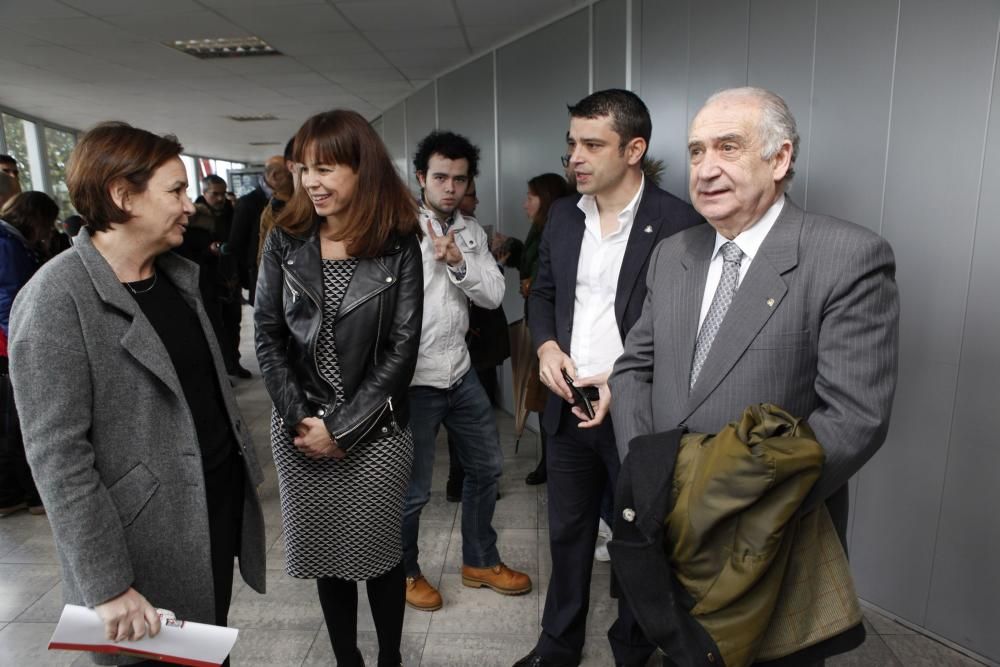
point(603, 537)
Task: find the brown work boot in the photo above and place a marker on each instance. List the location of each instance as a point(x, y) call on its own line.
point(500, 578)
point(421, 595)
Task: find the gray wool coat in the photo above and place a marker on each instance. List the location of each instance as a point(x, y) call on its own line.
point(111, 442)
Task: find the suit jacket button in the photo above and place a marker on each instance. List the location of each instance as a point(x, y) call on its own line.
point(628, 514)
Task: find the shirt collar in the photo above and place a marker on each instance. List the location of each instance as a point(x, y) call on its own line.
point(751, 238)
point(446, 224)
point(588, 204)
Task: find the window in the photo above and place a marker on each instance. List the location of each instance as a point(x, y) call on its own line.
point(16, 132)
point(58, 147)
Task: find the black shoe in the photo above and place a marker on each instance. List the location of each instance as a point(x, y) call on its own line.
point(535, 660)
point(240, 372)
point(536, 476)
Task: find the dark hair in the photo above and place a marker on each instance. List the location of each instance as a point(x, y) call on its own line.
point(514, 249)
point(548, 188)
point(72, 224)
point(31, 213)
point(213, 179)
point(7, 159)
point(290, 149)
point(381, 205)
point(108, 153)
point(629, 115)
point(450, 145)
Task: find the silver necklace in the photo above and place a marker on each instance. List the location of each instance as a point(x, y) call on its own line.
point(142, 291)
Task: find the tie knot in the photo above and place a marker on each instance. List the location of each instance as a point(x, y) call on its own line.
point(731, 253)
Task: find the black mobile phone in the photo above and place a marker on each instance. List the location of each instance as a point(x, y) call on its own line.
point(584, 397)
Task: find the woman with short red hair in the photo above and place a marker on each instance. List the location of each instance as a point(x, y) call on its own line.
point(130, 425)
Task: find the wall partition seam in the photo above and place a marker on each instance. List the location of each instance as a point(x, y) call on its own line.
point(888, 129)
point(812, 96)
point(496, 144)
point(590, 48)
point(437, 107)
point(406, 148)
point(628, 44)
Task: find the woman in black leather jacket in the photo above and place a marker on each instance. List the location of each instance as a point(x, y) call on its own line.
point(338, 311)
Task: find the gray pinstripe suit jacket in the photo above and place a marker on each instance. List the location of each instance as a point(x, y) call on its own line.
point(813, 328)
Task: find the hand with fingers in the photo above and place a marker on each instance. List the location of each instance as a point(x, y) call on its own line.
point(601, 407)
point(552, 361)
point(315, 441)
point(445, 248)
point(128, 616)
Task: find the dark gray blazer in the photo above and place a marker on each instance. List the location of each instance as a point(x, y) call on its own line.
point(111, 441)
point(813, 328)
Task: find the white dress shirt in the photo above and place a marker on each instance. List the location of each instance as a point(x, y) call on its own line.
point(749, 241)
point(595, 344)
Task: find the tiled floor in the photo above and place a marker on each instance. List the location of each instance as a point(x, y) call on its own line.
point(475, 627)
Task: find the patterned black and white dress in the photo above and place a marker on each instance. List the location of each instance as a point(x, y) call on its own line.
point(341, 518)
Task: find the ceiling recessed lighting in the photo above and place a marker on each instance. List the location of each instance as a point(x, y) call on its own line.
point(253, 118)
point(224, 47)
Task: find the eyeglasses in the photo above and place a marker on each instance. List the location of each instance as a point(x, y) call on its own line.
point(565, 160)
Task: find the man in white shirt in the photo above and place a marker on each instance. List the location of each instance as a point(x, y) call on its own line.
point(589, 292)
point(768, 304)
point(458, 268)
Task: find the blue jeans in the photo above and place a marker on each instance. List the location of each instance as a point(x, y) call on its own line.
point(466, 413)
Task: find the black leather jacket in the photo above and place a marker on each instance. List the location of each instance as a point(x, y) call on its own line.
point(377, 331)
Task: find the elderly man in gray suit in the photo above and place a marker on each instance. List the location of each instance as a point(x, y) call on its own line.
point(767, 304)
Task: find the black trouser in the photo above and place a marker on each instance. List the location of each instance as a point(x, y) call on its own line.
point(387, 596)
point(232, 315)
point(16, 483)
point(580, 463)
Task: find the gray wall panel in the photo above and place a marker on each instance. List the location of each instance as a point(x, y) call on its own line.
point(377, 126)
point(465, 105)
point(609, 44)
point(663, 85)
point(937, 127)
point(963, 601)
point(421, 119)
point(533, 89)
point(718, 49)
point(850, 112)
point(394, 136)
point(785, 66)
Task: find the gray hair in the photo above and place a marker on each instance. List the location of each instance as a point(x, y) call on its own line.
point(777, 124)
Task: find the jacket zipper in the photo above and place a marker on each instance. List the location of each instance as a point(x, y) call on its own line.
point(312, 351)
point(381, 408)
point(291, 288)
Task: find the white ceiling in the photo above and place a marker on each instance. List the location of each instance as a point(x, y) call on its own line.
point(78, 62)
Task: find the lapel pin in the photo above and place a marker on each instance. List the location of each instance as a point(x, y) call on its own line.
point(648, 229)
point(770, 303)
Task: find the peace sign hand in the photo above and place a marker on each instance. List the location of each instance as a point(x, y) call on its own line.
point(445, 248)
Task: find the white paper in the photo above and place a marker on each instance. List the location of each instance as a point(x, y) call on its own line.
point(195, 644)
